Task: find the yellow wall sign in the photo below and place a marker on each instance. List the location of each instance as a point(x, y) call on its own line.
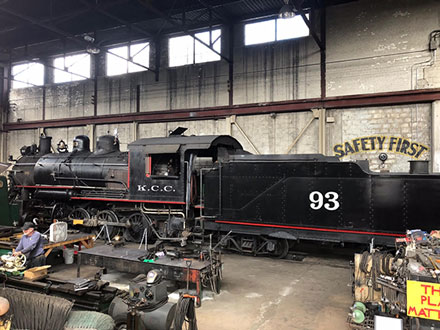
point(380, 143)
point(423, 300)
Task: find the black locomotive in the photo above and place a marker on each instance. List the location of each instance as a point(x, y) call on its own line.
point(182, 187)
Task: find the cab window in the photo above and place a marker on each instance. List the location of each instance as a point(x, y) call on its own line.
point(163, 165)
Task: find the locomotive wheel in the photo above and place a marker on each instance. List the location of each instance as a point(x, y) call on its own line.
point(282, 248)
point(79, 214)
point(136, 230)
point(108, 216)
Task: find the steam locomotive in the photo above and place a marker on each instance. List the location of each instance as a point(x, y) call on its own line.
point(183, 187)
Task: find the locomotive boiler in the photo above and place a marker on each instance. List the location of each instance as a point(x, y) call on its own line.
point(185, 187)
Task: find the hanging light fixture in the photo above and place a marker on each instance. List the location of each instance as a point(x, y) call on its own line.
point(287, 11)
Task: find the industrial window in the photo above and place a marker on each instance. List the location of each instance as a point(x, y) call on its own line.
point(118, 59)
point(275, 29)
point(71, 68)
point(27, 75)
point(187, 50)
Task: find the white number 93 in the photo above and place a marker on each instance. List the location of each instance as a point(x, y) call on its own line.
point(329, 200)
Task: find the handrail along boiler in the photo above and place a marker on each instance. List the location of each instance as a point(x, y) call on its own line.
point(183, 186)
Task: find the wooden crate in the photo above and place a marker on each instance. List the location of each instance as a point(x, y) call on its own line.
point(36, 273)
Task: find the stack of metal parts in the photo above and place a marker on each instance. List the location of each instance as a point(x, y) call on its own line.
point(380, 278)
point(80, 284)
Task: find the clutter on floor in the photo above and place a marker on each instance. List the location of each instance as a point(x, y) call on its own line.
point(398, 290)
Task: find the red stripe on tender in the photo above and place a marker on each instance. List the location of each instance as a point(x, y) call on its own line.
point(48, 187)
point(311, 228)
point(126, 200)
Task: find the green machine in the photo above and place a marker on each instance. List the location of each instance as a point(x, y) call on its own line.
point(9, 213)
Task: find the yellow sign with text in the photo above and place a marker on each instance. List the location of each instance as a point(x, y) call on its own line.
point(423, 300)
point(380, 143)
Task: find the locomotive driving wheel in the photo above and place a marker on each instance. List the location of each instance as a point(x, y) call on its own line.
point(109, 217)
point(136, 229)
point(79, 214)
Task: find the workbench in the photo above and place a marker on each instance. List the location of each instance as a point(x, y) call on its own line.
point(81, 239)
point(129, 260)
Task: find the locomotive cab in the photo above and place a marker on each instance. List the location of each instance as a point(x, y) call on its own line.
point(165, 170)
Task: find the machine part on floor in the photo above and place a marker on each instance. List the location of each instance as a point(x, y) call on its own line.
point(185, 313)
point(204, 271)
point(11, 263)
point(89, 320)
point(146, 306)
point(36, 311)
point(96, 297)
point(403, 286)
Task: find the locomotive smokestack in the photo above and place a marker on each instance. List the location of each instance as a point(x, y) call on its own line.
point(45, 145)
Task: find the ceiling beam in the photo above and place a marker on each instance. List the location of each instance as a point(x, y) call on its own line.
point(150, 7)
point(117, 19)
point(337, 103)
point(64, 34)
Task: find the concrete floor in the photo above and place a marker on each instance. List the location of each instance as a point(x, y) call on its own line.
point(266, 294)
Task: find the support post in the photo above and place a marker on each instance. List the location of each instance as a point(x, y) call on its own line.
point(435, 144)
point(231, 65)
point(4, 97)
point(134, 131)
point(323, 53)
point(322, 133)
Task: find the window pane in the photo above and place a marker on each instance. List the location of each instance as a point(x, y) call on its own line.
point(181, 51)
point(203, 53)
point(140, 53)
point(27, 75)
point(289, 28)
point(115, 64)
point(78, 64)
point(257, 33)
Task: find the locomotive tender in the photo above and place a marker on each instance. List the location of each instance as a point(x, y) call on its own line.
point(183, 186)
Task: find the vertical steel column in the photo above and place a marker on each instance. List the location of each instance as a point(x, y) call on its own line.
point(435, 139)
point(5, 74)
point(323, 26)
point(157, 47)
point(322, 133)
point(231, 64)
point(96, 72)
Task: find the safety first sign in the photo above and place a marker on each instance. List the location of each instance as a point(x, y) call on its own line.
point(423, 300)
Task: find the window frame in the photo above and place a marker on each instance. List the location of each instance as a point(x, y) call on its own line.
point(194, 41)
point(127, 61)
point(29, 84)
point(54, 68)
point(275, 18)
